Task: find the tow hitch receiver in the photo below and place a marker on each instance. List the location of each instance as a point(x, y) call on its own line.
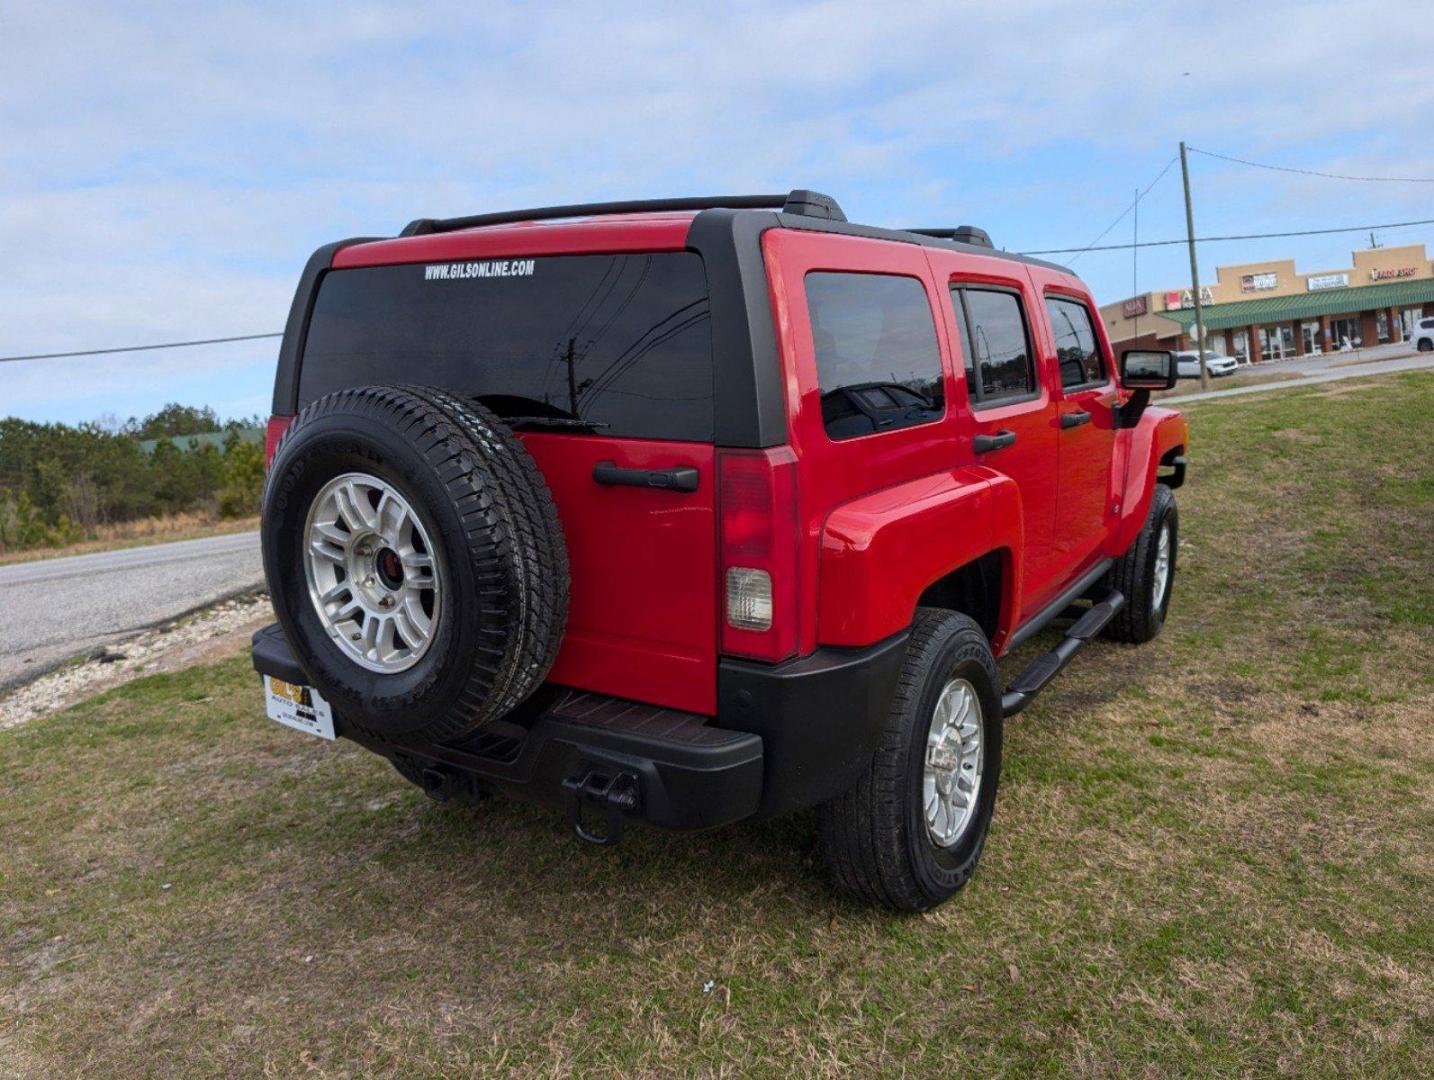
point(614, 793)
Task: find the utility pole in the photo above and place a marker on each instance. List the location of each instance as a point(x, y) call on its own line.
point(572, 379)
point(1135, 262)
point(1194, 273)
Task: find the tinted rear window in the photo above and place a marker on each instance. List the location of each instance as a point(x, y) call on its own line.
point(878, 363)
point(621, 341)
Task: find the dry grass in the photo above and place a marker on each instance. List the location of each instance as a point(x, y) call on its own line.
point(1243, 377)
point(1211, 855)
point(155, 530)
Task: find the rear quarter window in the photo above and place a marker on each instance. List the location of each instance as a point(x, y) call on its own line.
point(622, 343)
point(878, 363)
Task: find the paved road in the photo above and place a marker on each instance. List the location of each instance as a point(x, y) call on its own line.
point(1324, 374)
point(59, 608)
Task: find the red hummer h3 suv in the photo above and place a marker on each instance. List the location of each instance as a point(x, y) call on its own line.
point(695, 511)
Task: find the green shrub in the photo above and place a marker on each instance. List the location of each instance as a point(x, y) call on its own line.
point(243, 483)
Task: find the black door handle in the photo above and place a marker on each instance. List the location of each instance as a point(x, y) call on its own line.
point(681, 478)
point(983, 444)
point(1074, 419)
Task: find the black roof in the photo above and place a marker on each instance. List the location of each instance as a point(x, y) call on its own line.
point(799, 208)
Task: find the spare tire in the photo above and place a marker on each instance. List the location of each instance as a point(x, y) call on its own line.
point(415, 560)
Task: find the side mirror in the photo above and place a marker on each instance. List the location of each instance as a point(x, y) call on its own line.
point(1147, 369)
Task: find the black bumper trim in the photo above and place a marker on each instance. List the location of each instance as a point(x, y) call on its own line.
point(820, 717)
point(691, 773)
point(787, 736)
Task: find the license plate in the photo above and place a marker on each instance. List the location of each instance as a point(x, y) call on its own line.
point(299, 707)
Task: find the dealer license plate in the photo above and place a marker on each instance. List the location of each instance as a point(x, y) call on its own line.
point(298, 706)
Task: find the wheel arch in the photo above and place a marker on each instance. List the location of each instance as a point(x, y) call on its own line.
point(943, 541)
point(1157, 442)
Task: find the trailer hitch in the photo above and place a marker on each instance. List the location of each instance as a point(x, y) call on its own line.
point(613, 793)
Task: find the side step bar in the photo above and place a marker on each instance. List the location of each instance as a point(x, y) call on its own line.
point(1048, 665)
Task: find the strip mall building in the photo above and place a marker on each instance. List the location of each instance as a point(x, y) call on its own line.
point(1270, 311)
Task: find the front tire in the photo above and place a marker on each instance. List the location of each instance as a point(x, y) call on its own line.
point(908, 834)
point(1145, 574)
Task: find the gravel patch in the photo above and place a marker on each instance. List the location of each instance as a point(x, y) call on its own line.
point(203, 637)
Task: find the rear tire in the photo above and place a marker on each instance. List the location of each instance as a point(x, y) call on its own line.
point(1426, 344)
point(880, 838)
point(1138, 575)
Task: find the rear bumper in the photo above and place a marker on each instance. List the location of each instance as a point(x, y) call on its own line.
point(786, 737)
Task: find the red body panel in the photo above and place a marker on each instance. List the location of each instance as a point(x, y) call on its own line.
point(833, 473)
point(642, 613)
point(1084, 512)
point(879, 552)
point(884, 516)
point(1134, 470)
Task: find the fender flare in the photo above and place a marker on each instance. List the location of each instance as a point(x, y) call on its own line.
point(881, 551)
point(1158, 433)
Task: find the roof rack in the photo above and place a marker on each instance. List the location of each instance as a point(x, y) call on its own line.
point(798, 201)
point(962, 234)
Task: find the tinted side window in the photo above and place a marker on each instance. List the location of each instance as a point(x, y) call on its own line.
point(1076, 347)
point(593, 344)
point(997, 345)
point(878, 364)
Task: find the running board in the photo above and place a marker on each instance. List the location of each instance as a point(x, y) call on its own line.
point(1048, 665)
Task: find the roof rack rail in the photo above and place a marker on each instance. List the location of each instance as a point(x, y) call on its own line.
point(962, 234)
point(798, 201)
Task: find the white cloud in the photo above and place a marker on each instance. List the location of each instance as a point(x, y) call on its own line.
point(165, 171)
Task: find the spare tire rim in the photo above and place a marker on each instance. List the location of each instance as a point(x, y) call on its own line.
point(373, 575)
point(955, 757)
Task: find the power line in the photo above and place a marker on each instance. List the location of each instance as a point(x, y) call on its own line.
point(139, 348)
point(1138, 196)
point(1214, 239)
point(1313, 172)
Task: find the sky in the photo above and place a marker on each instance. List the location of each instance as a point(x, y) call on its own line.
point(165, 170)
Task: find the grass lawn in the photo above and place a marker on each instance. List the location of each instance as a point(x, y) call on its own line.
point(1212, 855)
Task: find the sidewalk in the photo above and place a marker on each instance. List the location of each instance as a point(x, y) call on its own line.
point(1412, 362)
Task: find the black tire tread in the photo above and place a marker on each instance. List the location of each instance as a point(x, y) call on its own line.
point(862, 833)
point(1133, 576)
point(513, 540)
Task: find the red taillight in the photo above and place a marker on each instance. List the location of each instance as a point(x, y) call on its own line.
point(272, 434)
point(757, 501)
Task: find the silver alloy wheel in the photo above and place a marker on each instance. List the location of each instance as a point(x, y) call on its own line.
point(373, 576)
point(955, 757)
point(1162, 568)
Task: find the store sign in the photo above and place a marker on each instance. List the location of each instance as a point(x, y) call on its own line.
point(1315, 282)
point(1258, 282)
point(1393, 272)
point(1133, 307)
point(1176, 299)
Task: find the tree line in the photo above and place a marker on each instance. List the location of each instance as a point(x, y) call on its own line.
point(60, 483)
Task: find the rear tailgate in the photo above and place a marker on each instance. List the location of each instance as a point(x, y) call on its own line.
point(642, 616)
point(593, 358)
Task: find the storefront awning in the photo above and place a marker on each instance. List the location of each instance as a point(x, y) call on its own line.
point(1279, 309)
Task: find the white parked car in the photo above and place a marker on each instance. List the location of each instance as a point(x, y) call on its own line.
point(1423, 338)
point(1187, 364)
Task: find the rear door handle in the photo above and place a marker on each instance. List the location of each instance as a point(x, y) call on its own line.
point(984, 444)
point(1074, 419)
point(680, 478)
